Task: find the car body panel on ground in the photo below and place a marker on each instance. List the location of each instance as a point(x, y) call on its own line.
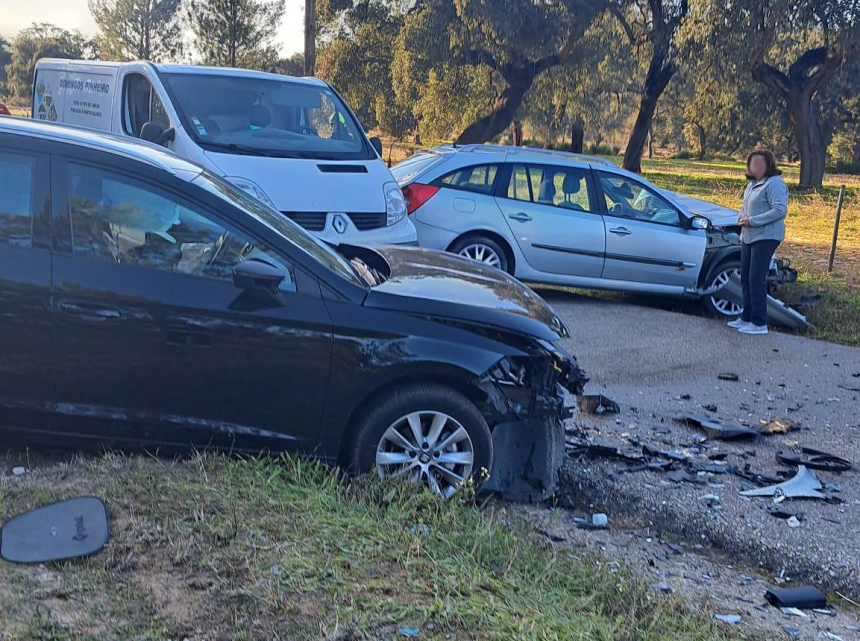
point(154, 303)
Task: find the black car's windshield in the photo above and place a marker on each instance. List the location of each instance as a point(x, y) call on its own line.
point(266, 116)
point(282, 225)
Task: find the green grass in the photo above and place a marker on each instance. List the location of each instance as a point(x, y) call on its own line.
point(263, 549)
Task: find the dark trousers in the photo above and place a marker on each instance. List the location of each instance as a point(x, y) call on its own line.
point(755, 263)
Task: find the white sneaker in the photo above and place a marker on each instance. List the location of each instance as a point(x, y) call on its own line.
point(753, 329)
point(737, 323)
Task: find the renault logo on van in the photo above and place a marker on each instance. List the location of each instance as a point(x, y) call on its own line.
point(339, 223)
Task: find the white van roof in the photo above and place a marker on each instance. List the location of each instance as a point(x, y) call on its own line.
point(189, 69)
point(93, 138)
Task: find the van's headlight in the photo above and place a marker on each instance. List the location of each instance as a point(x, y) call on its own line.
point(395, 203)
point(251, 188)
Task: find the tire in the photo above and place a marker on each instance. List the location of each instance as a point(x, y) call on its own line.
point(483, 249)
point(718, 307)
point(386, 444)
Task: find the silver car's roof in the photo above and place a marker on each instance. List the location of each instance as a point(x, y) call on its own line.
point(523, 153)
point(92, 138)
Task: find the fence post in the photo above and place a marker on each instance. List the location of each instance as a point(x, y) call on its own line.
point(836, 228)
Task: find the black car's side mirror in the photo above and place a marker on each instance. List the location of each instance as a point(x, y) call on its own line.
point(259, 277)
point(152, 132)
point(700, 222)
point(376, 143)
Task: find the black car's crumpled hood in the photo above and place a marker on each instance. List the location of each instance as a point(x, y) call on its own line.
point(439, 284)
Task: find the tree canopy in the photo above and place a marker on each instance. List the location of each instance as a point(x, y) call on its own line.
point(138, 29)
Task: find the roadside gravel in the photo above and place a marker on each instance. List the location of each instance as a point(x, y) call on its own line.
point(658, 364)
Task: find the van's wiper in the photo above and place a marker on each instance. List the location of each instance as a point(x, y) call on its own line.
point(252, 151)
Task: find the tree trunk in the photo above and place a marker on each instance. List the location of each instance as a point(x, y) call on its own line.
point(855, 159)
point(812, 70)
point(517, 133)
point(807, 134)
point(503, 113)
point(655, 82)
point(310, 37)
point(703, 141)
point(577, 135)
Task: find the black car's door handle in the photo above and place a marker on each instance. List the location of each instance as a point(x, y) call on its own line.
point(620, 231)
point(522, 217)
point(90, 312)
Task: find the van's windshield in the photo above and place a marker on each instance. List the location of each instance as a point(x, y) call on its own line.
point(266, 117)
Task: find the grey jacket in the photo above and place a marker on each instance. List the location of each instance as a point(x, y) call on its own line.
point(766, 204)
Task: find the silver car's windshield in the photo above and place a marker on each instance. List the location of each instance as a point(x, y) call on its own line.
point(266, 117)
point(281, 225)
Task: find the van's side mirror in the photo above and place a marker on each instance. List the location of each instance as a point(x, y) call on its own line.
point(152, 132)
point(376, 143)
point(259, 277)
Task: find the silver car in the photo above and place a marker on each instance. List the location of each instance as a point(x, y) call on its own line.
point(566, 219)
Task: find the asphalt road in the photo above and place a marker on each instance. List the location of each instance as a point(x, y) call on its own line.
point(657, 364)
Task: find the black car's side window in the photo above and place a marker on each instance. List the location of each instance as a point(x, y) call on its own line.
point(478, 178)
point(17, 198)
point(119, 219)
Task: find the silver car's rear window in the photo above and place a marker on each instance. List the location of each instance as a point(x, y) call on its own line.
point(406, 171)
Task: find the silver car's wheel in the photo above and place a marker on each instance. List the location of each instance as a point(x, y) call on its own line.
point(482, 254)
point(427, 447)
point(720, 305)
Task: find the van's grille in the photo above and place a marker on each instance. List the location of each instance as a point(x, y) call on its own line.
point(315, 221)
point(310, 220)
point(363, 222)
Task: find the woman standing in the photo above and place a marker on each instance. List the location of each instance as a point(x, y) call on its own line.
point(762, 221)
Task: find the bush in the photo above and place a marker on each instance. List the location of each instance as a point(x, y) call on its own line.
point(601, 150)
point(844, 167)
point(684, 154)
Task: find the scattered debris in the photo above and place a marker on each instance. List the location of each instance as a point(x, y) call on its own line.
point(727, 376)
point(597, 404)
point(792, 632)
point(778, 426)
point(608, 451)
point(18, 471)
point(806, 597)
point(662, 586)
point(731, 619)
point(408, 632)
point(803, 485)
point(717, 429)
point(710, 407)
point(829, 635)
point(793, 521)
point(599, 520)
point(679, 476)
point(783, 514)
point(794, 612)
point(815, 460)
point(68, 529)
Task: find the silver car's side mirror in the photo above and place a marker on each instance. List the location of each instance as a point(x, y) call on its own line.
point(700, 222)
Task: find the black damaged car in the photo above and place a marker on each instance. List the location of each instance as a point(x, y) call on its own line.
point(146, 302)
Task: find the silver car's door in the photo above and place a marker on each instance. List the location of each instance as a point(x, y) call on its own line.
point(647, 238)
point(553, 213)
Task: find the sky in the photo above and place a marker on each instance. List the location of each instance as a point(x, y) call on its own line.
point(75, 14)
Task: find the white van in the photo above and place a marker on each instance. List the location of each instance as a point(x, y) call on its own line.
point(291, 142)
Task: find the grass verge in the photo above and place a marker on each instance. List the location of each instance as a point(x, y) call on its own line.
point(214, 548)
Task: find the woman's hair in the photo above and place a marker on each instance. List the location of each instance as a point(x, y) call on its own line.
point(769, 160)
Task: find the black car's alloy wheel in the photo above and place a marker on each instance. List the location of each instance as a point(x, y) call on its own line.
point(428, 434)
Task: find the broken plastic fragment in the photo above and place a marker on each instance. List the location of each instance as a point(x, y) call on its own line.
point(794, 612)
point(804, 485)
point(816, 460)
point(597, 404)
point(717, 429)
point(806, 597)
point(778, 426)
point(731, 619)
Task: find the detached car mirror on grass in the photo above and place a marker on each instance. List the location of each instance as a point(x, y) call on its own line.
point(171, 310)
